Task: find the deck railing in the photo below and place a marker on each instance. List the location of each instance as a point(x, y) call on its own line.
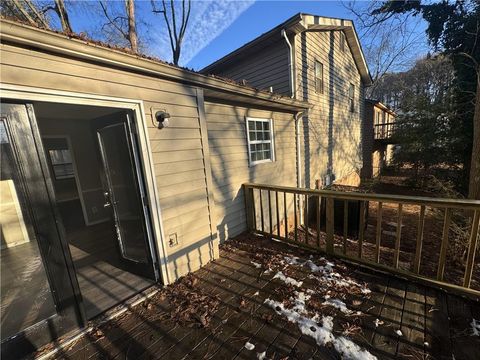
point(383, 131)
point(320, 220)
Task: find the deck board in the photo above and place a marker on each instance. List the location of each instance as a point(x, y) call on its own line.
point(434, 324)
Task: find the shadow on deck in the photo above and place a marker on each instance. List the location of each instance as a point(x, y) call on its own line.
point(387, 316)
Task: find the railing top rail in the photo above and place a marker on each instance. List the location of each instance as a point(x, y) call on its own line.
point(413, 200)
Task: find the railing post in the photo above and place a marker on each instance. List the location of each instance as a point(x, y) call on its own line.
point(396, 256)
point(362, 228)
point(379, 232)
point(472, 246)
point(329, 226)
point(418, 249)
point(249, 207)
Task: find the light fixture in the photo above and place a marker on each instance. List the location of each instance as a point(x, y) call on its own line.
point(162, 118)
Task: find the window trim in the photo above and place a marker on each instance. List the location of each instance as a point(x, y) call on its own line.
point(271, 141)
point(316, 61)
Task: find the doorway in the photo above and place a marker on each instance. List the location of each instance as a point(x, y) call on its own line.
point(99, 192)
point(75, 225)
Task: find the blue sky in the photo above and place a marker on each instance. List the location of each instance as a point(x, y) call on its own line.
point(216, 27)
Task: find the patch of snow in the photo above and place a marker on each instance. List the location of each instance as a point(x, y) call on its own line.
point(256, 293)
point(378, 322)
point(287, 280)
point(475, 327)
point(261, 356)
point(257, 265)
point(249, 346)
point(399, 332)
point(293, 260)
point(337, 303)
point(426, 343)
point(321, 331)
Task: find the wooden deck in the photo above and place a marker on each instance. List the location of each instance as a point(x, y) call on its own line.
point(432, 323)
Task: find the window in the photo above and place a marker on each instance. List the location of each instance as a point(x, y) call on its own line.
point(260, 140)
point(62, 164)
point(318, 77)
point(351, 97)
point(342, 41)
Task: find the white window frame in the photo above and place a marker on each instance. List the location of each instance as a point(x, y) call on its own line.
point(342, 40)
point(351, 97)
point(318, 89)
point(251, 142)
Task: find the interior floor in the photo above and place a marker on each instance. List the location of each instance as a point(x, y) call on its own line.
point(105, 279)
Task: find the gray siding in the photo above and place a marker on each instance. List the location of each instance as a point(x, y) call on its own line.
point(229, 160)
point(331, 133)
point(264, 69)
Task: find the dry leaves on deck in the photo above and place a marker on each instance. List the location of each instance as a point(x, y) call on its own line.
point(189, 304)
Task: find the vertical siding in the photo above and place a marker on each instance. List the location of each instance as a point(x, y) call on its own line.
point(262, 70)
point(229, 160)
point(332, 134)
point(177, 151)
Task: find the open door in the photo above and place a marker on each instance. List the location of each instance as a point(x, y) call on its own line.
point(124, 190)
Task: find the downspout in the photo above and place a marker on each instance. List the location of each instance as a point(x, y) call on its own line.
point(297, 121)
point(290, 63)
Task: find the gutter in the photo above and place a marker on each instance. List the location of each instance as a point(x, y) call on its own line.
point(19, 34)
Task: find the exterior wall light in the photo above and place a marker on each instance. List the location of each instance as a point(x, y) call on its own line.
point(162, 118)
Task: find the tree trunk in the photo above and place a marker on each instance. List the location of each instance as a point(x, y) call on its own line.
point(474, 183)
point(63, 15)
point(132, 30)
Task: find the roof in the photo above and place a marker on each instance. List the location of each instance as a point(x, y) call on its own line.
point(381, 106)
point(74, 46)
point(296, 24)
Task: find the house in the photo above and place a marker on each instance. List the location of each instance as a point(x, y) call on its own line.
point(318, 60)
point(119, 172)
point(379, 126)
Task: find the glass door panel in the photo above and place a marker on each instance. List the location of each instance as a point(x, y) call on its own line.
point(25, 292)
point(122, 193)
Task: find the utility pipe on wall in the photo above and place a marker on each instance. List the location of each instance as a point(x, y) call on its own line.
point(299, 162)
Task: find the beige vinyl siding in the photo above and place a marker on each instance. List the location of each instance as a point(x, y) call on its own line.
point(178, 151)
point(330, 116)
point(229, 161)
point(263, 69)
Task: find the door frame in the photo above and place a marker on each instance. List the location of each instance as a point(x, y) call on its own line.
point(27, 93)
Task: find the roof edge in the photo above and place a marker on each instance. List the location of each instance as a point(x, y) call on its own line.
point(58, 43)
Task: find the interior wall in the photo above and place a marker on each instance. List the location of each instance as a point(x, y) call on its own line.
point(84, 152)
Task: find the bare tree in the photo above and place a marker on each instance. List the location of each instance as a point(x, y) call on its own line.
point(124, 24)
point(390, 41)
point(59, 8)
point(176, 35)
point(25, 10)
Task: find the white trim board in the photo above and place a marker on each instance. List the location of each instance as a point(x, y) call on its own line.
point(28, 93)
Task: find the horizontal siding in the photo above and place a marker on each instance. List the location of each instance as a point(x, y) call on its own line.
point(268, 68)
point(331, 133)
point(176, 151)
point(229, 161)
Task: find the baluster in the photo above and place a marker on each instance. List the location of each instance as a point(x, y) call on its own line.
point(362, 229)
point(329, 226)
point(295, 216)
point(418, 250)
point(270, 220)
point(345, 225)
point(307, 235)
point(396, 258)
point(444, 246)
point(285, 214)
point(472, 246)
point(379, 232)
point(319, 205)
point(261, 211)
point(277, 206)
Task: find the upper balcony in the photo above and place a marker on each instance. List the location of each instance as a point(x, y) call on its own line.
point(384, 131)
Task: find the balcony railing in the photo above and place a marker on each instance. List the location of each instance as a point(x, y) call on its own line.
point(420, 247)
point(383, 131)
